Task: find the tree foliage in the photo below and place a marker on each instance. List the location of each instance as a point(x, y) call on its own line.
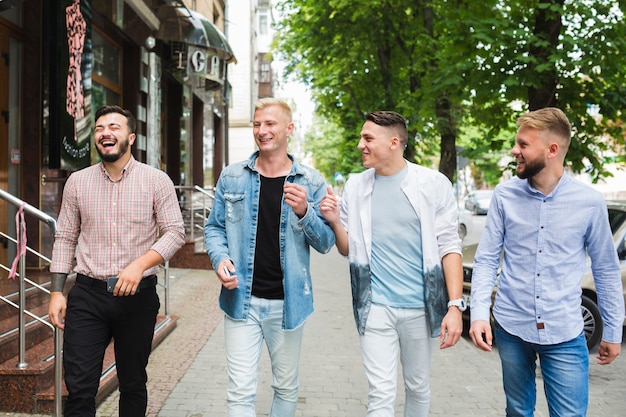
point(447, 65)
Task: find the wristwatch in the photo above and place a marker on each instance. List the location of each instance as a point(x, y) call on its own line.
point(458, 303)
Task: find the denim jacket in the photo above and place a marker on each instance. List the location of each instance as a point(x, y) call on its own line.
point(230, 233)
point(430, 194)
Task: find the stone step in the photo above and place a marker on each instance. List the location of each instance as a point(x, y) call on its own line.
point(31, 390)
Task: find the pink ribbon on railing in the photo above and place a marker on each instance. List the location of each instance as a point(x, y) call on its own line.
point(21, 243)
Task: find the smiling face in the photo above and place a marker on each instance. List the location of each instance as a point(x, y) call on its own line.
point(271, 129)
point(378, 146)
point(113, 137)
point(531, 152)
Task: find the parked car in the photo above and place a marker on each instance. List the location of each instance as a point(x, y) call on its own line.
point(465, 223)
point(478, 201)
point(589, 301)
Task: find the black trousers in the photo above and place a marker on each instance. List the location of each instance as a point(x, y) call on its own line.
point(93, 317)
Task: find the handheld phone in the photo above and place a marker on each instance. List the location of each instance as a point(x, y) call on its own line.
point(226, 271)
point(111, 283)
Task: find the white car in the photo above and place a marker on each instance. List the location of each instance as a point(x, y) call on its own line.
point(478, 201)
point(465, 223)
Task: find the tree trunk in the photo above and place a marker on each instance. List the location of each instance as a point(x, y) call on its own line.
point(447, 129)
point(547, 27)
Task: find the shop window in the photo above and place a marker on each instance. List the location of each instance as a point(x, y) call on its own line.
point(106, 74)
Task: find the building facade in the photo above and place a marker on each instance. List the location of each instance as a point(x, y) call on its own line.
point(167, 61)
point(258, 75)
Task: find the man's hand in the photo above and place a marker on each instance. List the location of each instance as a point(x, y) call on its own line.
point(226, 274)
point(57, 309)
point(451, 328)
point(329, 207)
point(607, 352)
point(128, 280)
point(480, 332)
point(295, 197)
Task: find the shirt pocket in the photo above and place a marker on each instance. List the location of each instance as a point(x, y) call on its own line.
point(234, 203)
point(140, 208)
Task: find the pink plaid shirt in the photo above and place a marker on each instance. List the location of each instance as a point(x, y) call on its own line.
point(108, 224)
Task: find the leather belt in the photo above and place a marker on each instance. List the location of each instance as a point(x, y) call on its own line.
point(146, 282)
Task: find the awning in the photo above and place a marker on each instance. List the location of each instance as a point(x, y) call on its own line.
point(179, 24)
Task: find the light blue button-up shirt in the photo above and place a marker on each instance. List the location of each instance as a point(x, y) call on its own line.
point(545, 241)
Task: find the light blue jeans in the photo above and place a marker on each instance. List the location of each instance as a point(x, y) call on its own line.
point(390, 331)
point(244, 341)
point(565, 371)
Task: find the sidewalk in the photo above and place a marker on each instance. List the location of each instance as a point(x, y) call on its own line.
point(465, 381)
point(187, 372)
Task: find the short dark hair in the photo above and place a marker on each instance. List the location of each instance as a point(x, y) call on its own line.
point(390, 119)
point(130, 119)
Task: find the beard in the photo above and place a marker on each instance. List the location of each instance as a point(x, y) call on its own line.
point(531, 169)
point(112, 157)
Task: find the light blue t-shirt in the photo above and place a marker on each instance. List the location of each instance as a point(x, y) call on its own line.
point(396, 264)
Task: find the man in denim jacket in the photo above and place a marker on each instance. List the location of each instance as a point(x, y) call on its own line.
point(264, 219)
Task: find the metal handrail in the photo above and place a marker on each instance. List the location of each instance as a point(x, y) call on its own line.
point(57, 333)
point(202, 209)
point(58, 341)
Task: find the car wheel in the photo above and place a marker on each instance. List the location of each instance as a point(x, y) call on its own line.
point(462, 231)
point(592, 322)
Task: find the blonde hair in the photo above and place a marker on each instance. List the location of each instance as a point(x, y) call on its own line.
point(272, 101)
point(551, 120)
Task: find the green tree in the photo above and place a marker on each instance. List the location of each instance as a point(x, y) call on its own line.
point(325, 141)
point(367, 55)
point(447, 65)
point(567, 54)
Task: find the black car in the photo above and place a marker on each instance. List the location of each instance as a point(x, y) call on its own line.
point(589, 301)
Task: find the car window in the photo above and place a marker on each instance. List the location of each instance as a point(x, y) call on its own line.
point(616, 218)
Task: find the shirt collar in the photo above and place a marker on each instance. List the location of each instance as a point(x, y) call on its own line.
point(563, 180)
point(125, 171)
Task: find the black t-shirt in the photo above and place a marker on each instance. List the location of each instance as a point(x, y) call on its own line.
point(267, 281)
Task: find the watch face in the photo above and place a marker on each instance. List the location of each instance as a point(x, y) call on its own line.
point(460, 303)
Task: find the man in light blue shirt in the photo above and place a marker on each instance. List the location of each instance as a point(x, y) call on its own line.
point(546, 223)
point(397, 224)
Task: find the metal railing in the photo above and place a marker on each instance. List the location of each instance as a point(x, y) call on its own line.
point(195, 203)
point(21, 306)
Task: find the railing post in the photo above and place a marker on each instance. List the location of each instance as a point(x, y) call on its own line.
point(22, 320)
point(166, 286)
point(58, 373)
point(192, 222)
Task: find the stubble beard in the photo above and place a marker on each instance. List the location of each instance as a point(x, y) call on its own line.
point(112, 157)
point(531, 169)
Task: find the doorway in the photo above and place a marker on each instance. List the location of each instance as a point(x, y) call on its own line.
point(4, 140)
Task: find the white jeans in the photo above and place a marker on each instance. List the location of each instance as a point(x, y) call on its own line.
point(244, 341)
point(390, 331)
